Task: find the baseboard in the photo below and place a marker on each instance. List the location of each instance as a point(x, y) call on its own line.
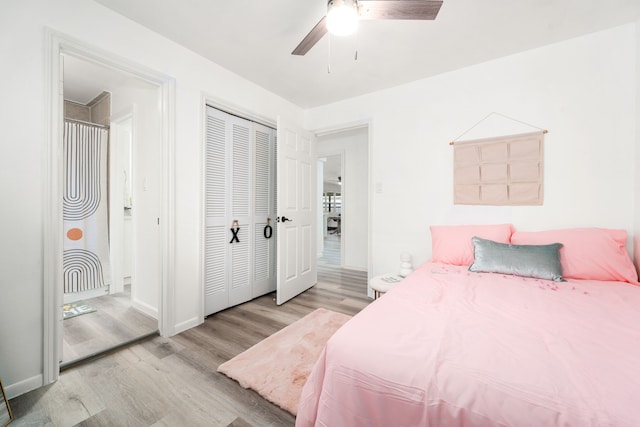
point(91, 293)
point(350, 267)
point(187, 324)
point(24, 386)
point(145, 308)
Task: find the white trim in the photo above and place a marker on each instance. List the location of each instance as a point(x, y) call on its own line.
point(167, 314)
point(52, 242)
point(344, 127)
point(56, 44)
point(188, 324)
point(228, 107)
point(22, 387)
point(201, 206)
point(145, 308)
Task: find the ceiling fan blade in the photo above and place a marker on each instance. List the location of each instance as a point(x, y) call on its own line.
point(312, 38)
point(399, 9)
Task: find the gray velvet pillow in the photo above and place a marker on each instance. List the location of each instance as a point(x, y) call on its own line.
point(538, 261)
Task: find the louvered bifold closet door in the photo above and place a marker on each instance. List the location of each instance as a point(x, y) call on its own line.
point(264, 278)
point(241, 192)
point(216, 227)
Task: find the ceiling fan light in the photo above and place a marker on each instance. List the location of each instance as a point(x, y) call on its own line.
point(342, 17)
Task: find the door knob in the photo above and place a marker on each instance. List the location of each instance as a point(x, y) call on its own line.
point(285, 219)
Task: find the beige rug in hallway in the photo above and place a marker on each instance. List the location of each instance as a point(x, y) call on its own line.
point(278, 366)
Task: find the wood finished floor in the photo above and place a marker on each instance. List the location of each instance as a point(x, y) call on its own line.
point(331, 251)
point(173, 382)
point(114, 322)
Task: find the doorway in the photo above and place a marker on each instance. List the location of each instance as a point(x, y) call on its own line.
point(345, 198)
point(123, 306)
point(332, 211)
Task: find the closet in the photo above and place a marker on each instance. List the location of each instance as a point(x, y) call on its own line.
point(239, 242)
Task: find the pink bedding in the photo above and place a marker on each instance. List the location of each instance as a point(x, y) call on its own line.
point(448, 347)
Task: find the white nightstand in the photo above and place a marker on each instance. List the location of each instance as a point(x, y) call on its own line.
point(383, 283)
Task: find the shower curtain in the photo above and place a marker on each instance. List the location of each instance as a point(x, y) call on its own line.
point(86, 240)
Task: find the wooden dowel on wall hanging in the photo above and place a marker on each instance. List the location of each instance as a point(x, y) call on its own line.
point(497, 114)
point(544, 131)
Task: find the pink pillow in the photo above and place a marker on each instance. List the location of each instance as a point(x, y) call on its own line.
point(587, 253)
point(451, 244)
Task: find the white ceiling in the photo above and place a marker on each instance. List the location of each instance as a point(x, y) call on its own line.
point(332, 169)
point(255, 38)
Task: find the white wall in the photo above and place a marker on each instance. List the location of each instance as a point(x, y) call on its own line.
point(353, 145)
point(23, 158)
point(319, 210)
point(581, 90)
point(636, 151)
point(147, 191)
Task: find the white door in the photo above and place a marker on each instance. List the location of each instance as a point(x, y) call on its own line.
point(228, 205)
point(240, 191)
point(238, 202)
point(120, 176)
point(264, 218)
point(296, 210)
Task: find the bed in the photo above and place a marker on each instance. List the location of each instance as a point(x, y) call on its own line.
point(454, 347)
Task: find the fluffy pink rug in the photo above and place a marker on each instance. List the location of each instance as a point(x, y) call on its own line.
point(278, 366)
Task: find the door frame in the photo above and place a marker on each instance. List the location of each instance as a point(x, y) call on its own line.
point(343, 127)
point(57, 43)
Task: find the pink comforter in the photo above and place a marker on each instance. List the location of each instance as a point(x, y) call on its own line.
point(447, 347)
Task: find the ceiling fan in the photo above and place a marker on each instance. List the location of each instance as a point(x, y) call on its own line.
point(343, 16)
point(334, 181)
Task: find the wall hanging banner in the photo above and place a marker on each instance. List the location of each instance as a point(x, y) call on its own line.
point(86, 241)
point(504, 170)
